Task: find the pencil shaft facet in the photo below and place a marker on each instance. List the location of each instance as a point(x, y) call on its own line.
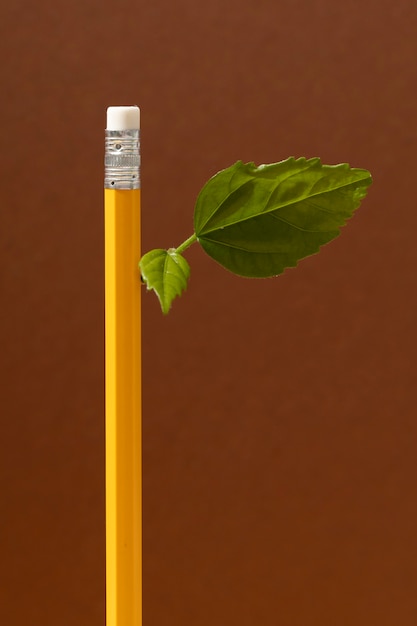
point(123, 408)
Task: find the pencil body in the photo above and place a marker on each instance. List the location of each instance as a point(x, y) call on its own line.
point(123, 408)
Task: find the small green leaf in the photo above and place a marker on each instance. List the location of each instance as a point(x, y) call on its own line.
point(256, 221)
point(167, 273)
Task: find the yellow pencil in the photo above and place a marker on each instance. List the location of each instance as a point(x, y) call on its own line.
point(123, 369)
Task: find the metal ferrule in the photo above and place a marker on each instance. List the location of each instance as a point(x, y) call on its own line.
point(122, 159)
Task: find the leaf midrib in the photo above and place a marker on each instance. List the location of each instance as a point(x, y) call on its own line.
point(287, 204)
point(310, 163)
point(235, 247)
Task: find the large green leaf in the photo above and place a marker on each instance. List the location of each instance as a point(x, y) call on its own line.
point(256, 221)
point(167, 273)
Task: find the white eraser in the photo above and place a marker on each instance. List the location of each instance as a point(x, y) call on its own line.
point(123, 118)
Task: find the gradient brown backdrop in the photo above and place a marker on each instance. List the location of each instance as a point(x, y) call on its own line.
point(280, 426)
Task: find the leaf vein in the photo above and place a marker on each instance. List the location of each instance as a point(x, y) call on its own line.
point(304, 230)
point(242, 249)
point(291, 202)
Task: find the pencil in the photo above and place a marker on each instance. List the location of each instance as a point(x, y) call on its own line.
point(123, 369)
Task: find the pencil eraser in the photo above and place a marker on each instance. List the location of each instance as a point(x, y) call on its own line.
point(123, 118)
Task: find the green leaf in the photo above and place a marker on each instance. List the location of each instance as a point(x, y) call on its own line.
point(167, 273)
point(256, 221)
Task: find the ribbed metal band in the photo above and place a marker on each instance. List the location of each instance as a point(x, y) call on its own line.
point(122, 159)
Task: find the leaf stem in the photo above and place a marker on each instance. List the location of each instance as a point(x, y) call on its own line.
point(186, 244)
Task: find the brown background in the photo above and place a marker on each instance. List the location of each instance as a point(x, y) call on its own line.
point(280, 424)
